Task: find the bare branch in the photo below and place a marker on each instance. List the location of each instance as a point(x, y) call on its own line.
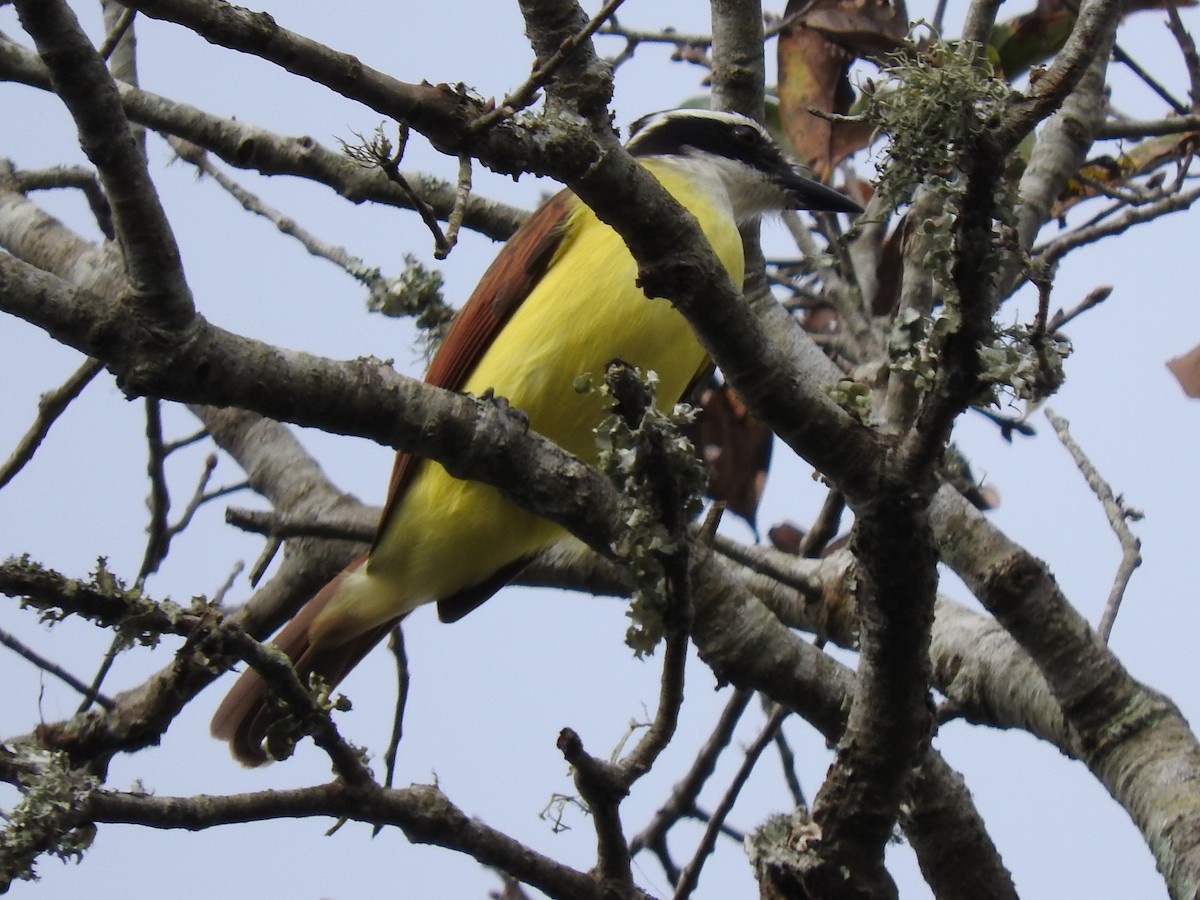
point(462, 196)
point(246, 146)
point(1119, 129)
point(53, 668)
point(87, 89)
point(600, 785)
point(1094, 27)
point(339, 256)
point(1119, 515)
point(690, 876)
point(352, 396)
point(1119, 55)
point(787, 763)
point(282, 525)
point(666, 36)
point(403, 681)
point(159, 502)
point(765, 561)
point(1187, 47)
point(422, 812)
point(682, 801)
point(1093, 689)
point(51, 405)
point(527, 93)
point(799, 676)
point(981, 17)
point(115, 35)
point(80, 177)
point(1054, 250)
point(1095, 297)
point(738, 74)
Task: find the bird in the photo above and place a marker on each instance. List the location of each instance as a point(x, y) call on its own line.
point(560, 300)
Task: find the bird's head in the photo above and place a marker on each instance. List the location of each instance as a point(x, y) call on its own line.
point(756, 175)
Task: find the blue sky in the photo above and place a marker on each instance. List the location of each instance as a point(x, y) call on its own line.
point(491, 692)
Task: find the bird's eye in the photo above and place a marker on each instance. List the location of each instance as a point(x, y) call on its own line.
point(746, 134)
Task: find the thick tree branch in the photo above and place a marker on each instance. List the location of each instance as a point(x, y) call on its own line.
point(1062, 148)
point(92, 739)
point(1134, 740)
point(85, 86)
point(738, 74)
point(422, 812)
point(746, 645)
point(889, 722)
point(442, 113)
point(208, 365)
point(612, 183)
point(1094, 26)
point(247, 146)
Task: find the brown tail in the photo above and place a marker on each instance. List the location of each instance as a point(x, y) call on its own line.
point(242, 718)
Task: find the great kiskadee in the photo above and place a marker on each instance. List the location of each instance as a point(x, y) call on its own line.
point(561, 299)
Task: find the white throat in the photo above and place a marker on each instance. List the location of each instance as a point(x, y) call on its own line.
point(745, 192)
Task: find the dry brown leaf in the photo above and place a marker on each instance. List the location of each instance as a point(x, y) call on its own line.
point(1186, 370)
point(734, 446)
point(815, 53)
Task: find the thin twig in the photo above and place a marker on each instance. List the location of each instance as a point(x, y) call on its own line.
point(691, 873)
point(227, 585)
point(667, 35)
point(682, 801)
point(202, 495)
point(1054, 250)
point(278, 525)
point(1120, 129)
point(178, 444)
point(1131, 195)
point(825, 528)
point(264, 560)
point(114, 37)
point(670, 699)
point(390, 166)
point(53, 668)
point(1094, 298)
point(1187, 47)
point(787, 762)
point(1119, 516)
point(939, 15)
point(252, 203)
point(50, 406)
point(1150, 81)
point(81, 178)
point(770, 562)
point(403, 680)
point(159, 502)
point(91, 693)
point(528, 91)
point(462, 193)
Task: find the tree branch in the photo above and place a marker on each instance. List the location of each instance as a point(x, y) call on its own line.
point(1094, 26)
point(51, 405)
point(246, 146)
point(85, 86)
point(422, 812)
point(1134, 740)
point(1118, 514)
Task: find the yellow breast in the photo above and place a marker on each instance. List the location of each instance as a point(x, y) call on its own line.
point(587, 310)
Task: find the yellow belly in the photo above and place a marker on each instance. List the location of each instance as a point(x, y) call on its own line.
point(447, 534)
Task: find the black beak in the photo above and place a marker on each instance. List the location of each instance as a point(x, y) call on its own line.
point(813, 195)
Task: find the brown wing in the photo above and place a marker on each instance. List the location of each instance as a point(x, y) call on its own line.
point(507, 282)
